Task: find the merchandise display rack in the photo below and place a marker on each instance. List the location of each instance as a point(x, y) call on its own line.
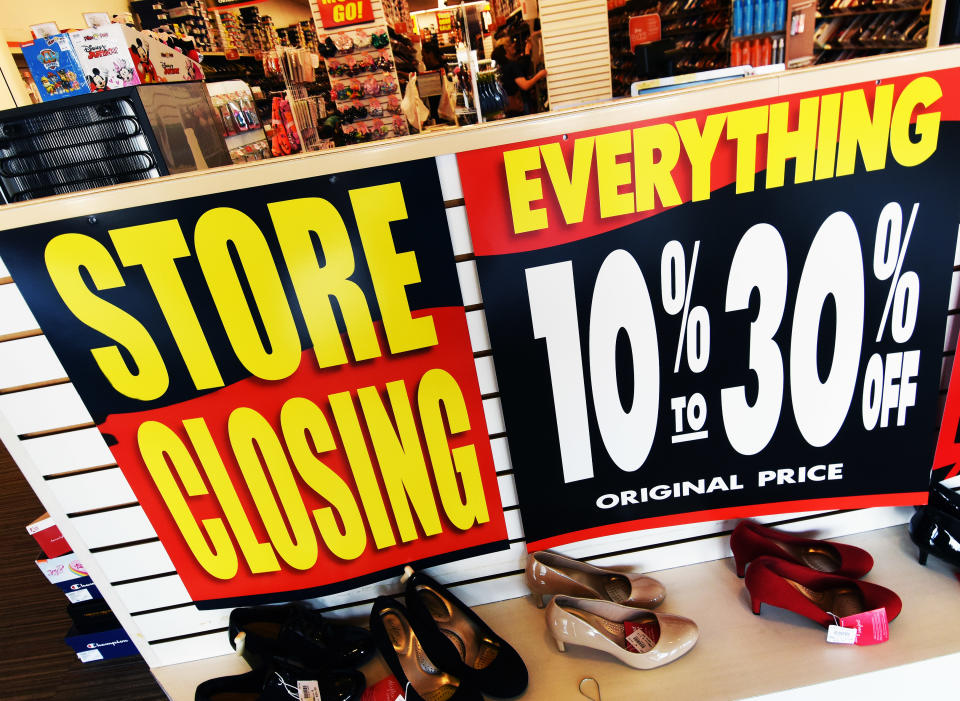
point(364, 84)
point(695, 36)
point(848, 29)
point(739, 655)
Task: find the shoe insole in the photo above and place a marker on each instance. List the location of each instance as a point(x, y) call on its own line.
point(613, 630)
point(841, 601)
point(423, 675)
point(822, 558)
point(476, 650)
point(264, 629)
point(615, 587)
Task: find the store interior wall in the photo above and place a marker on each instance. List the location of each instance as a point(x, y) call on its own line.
point(285, 12)
point(16, 17)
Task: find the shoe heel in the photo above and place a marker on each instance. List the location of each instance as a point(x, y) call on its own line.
point(537, 599)
point(923, 557)
point(561, 646)
point(741, 567)
point(756, 603)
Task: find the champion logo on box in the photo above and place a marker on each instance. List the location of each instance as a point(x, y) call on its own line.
point(111, 643)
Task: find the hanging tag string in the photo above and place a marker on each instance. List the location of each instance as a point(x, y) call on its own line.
point(596, 685)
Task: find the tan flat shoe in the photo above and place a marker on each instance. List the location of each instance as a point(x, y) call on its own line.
point(638, 638)
point(548, 573)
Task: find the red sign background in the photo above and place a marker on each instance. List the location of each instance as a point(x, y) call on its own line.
point(343, 13)
point(644, 30)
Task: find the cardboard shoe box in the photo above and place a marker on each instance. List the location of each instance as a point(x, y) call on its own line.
point(96, 633)
point(68, 573)
point(48, 536)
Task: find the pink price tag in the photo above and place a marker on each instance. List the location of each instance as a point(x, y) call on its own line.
point(871, 626)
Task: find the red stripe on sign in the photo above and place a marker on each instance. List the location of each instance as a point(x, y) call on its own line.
point(491, 213)
point(857, 502)
point(330, 474)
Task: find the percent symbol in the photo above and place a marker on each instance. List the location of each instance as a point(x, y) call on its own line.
point(890, 380)
point(676, 289)
point(888, 253)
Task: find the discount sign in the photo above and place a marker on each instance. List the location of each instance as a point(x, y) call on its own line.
point(722, 314)
point(283, 373)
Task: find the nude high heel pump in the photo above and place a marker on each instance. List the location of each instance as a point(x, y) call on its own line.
point(639, 638)
point(548, 573)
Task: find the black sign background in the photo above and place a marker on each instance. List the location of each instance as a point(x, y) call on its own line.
point(892, 463)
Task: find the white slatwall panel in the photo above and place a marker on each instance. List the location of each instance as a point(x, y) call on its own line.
point(3, 270)
point(477, 323)
point(66, 452)
point(16, 317)
point(44, 409)
point(469, 283)
point(136, 573)
point(169, 591)
point(108, 528)
point(144, 560)
point(576, 50)
point(459, 231)
point(87, 491)
point(487, 375)
point(450, 187)
point(28, 361)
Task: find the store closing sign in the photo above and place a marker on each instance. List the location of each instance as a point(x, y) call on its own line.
point(725, 313)
point(284, 374)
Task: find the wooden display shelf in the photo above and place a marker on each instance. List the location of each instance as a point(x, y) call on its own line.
point(870, 11)
point(871, 46)
point(739, 655)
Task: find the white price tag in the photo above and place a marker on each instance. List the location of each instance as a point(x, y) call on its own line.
point(641, 641)
point(79, 595)
point(90, 655)
point(308, 690)
point(843, 636)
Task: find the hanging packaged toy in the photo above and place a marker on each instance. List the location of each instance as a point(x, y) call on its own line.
point(343, 42)
point(388, 86)
point(371, 88)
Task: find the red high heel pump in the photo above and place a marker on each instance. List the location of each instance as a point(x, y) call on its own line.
point(814, 594)
point(750, 540)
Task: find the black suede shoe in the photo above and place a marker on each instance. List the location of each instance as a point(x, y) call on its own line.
point(279, 682)
point(935, 528)
point(399, 643)
point(459, 642)
point(297, 635)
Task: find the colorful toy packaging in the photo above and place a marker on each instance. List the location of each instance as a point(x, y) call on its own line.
point(55, 67)
point(105, 58)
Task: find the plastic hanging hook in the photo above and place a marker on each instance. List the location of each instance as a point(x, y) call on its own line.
point(590, 688)
point(407, 573)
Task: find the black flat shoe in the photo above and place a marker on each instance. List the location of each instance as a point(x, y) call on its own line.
point(399, 642)
point(935, 528)
point(297, 635)
point(279, 682)
point(459, 641)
